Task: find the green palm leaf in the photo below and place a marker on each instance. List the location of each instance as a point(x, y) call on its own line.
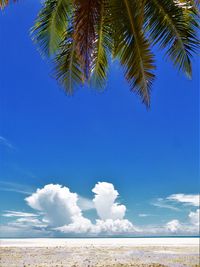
point(68, 69)
point(51, 24)
point(3, 3)
point(102, 48)
point(86, 19)
point(174, 29)
point(133, 49)
point(81, 35)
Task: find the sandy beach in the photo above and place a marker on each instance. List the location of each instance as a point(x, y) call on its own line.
point(113, 252)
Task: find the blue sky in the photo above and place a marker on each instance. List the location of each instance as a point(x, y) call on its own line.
point(49, 138)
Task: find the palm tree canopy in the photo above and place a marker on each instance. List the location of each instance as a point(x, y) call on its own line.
point(81, 36)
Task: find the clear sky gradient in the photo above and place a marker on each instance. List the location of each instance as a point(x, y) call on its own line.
point(47, 137)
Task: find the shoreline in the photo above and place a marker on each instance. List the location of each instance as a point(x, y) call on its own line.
point(99, 242)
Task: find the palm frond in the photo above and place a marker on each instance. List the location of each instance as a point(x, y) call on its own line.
point(173, 27)
point(68, 70)
point(133, 49)
point(80, 35)
point(86, 19)
point(5, 3)
point(51, 24)
point(102, 47)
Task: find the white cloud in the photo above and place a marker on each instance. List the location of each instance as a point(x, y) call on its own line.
point(85, 203)
point(25, 227)
point(57, 203)
point(5, 142)
point(104, 202)
point(79, 226)
point(193, 200)
point(145, 215)
point(108, 226)
point(16, 231)
point(28, 222)
point(28, 226)
point(163, 203)
point(14, 187)
point(58, 210)
point(62, 210)
point(171, 201)
point(194, 217)
point(117, 226)
point(173, 226)
point(191, 226)
point(12, 213)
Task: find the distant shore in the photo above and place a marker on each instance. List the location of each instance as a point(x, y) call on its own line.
point(100, 252)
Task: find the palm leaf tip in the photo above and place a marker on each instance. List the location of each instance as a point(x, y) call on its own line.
point(86, 20)
point(173, 28)
point(68, 70)
point(81, 35)
point(102, 48)
point(133, 49)
point(4, 3)
point(51, 24)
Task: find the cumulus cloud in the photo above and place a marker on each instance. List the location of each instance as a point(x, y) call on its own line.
point(79, 225)
point(57, 203)
point(62, 210)
point(117, 226)
point(189, 227)
point(59, 211)
point(193, 200)
point(173, 226)
point(85, 203)
point(194, 217)
point(104, 202)
point(108, 226)
point(111, 214)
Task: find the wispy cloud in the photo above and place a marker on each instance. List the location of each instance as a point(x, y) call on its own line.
point(146, 215)
point(14, 187)
point(164, 203)
point(177, 201)
point(192, 200)
point(12, 213)
point(5, 142)
point(25, 227)
point(30, 222)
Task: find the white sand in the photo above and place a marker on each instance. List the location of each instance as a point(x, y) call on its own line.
point(100, 252)
point(80, 242)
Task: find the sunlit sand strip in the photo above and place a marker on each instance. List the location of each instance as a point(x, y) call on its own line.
point(80, 242)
